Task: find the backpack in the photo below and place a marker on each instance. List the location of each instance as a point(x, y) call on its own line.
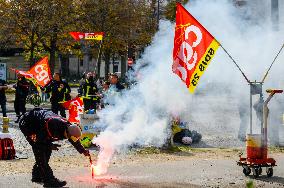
point(7, 150)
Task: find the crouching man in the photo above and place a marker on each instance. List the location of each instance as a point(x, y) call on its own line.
point(41, 128)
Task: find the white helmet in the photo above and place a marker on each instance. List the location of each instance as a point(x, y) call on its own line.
point(186, 140)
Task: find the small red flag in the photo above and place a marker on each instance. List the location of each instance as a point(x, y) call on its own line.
point(75, 107)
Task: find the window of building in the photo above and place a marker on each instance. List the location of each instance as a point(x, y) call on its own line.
point(115, 68)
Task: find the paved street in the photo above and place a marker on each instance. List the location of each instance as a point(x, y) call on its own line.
point(205, 169)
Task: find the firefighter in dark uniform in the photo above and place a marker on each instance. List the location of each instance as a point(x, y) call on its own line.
point(41, 128)
point(3, 87)
point(89, 91)
point(60, 91)
point(22, 90)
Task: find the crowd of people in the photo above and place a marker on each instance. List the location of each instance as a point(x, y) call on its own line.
point(42, 127)
point(95, 92)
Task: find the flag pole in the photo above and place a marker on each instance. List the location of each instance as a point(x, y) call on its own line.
point(235, 63)
point(272, 63)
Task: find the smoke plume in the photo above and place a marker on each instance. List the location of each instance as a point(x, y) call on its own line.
point(141, 114)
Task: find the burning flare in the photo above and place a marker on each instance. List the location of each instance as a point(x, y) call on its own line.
point(104, 157)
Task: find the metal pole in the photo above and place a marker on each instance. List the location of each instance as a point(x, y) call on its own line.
point(98, 57)
point(250, 112)
point(235, 63)
point(265, 120)
point(272, 63)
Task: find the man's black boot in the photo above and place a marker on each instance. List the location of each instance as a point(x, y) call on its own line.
point(36, 175)
point(54, 182)
point(37, 179)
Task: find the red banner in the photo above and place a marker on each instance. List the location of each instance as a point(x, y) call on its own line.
point(87, 36)
point(194, 48)
point(41, 72)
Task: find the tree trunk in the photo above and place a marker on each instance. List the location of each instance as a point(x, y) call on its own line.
point(52, 54)
point(99, 65)
point(32, 60)
point(107, 61)
point(65, 65)
point(123, 64)
point(32, 50)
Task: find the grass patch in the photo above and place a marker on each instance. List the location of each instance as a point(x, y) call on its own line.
point(171, 149)
point(148, 150)
point(187, 149)
point(276, 149)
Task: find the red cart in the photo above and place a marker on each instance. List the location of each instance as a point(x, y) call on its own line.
point(256, 146)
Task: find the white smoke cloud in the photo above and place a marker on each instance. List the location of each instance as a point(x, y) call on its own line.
point(140, 115)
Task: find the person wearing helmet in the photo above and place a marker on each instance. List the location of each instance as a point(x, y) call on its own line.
point(41, 128)
point(181, 134)
point(89, 91)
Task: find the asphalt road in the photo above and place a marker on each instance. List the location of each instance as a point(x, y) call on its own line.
point(161, 171)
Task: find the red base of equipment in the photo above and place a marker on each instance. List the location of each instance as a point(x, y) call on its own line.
point(255, 166)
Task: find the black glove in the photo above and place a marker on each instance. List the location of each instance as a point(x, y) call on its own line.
point(55, 147)
point(86, 153)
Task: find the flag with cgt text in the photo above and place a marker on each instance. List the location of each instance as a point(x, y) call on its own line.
point(194, 48)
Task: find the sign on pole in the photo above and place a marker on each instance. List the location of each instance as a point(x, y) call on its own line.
point(3, 71)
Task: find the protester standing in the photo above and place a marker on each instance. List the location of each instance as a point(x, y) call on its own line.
point(114, 89)
point(22, 90)
point(3, 87)
point(114, 83)
point(60, 92)
point(89, 91)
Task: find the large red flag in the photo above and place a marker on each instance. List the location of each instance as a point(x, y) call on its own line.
point(41, 72)
point(194, 48)
point(75, 107)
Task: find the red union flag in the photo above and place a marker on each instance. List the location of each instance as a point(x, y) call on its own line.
point(87, 36)
point(75, 106)
point(194, 48)
point(41, 72)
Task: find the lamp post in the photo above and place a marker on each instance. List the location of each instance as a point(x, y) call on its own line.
point(275, 14)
